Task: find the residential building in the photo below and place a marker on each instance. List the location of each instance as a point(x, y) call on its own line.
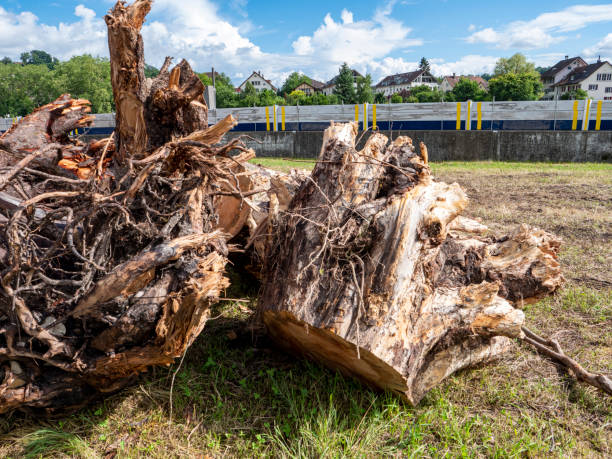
point(449, 82)
point(331, 84)
point(258, 81)
point(404, 81)
point(558, 72)
point(310, 89)
point(595, 79)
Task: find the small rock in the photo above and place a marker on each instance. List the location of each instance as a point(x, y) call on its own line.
point(57, 330)
point(16, 368)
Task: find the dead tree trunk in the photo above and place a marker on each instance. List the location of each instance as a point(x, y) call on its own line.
point(149, 111)
point(369, 273)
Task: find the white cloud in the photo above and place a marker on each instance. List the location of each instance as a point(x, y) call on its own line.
point(544, 30)
point(23, 32)
point(196, 31)
point(472, 64)
point(603, 49)
point(359, 43)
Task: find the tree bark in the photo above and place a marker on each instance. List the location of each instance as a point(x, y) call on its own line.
point(112, 253)
point(369, 274)
point(149, 111)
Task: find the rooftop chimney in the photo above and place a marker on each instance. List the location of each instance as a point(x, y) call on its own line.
point(567, 57)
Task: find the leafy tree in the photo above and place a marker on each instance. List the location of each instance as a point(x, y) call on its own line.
point(345, 85)
point(379, 98)
point(541, 70)
point(23, 88)
point(293, 81)
point(424, 65)
point(38, 57)
point(510, 86)
point(87, 77)
point(226, 94)
point(467, 89)
point(576, 94)
point(298, 97)
point(422, 94)
point(150, 71)
point(6, 60)
point(364, 89)
point(249, 96)
point(396, 99)
point(268, 97)
point(516, 64)
point(486, 76)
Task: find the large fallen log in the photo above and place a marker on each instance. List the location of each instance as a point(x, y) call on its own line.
point(369, 273)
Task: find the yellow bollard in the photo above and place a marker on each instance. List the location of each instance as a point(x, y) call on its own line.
point(267, 118)
point(374, 127)
point(598, 118)
point(283, 117)
point(458, 116)
point(575, 119)
point(479, 120)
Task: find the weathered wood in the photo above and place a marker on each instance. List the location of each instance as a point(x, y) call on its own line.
point(364, 275)
point(149, 111)
point(114, 270)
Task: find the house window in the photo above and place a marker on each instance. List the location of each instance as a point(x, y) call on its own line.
point(593, 87)
point(604, 76)
point(607, 98)
point(609, 89)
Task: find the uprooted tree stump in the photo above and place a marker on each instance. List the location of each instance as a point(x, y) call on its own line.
point(372, 273)
point(112, 252)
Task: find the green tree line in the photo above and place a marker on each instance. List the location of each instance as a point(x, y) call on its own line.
point(40, 78)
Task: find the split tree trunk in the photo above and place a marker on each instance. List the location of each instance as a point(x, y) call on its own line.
point(149, 111)
point(369, 274)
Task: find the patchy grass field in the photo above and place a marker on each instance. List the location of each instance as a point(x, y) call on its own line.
point(234, 395)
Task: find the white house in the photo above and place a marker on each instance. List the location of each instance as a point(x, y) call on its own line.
point(595, 79)
point(329, 87)
point(558, 72)
point(404, 81)
point(258, 81)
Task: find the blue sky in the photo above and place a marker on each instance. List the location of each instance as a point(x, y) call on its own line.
point(315, 37)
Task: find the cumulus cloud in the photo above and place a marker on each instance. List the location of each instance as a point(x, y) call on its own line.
point(359, 43)
point(544, 30)
point(197, 31)
point(602, 48)
point(24, 32)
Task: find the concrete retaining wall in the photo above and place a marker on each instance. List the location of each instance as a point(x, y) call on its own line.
point(559, 146)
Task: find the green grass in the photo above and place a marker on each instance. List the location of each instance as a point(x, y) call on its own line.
point(237, 396)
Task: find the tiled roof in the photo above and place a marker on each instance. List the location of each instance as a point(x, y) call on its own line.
point(581, 73)
point(551, 72)
point(453, 80)
point(400, 78)
point(332, 82)
point(260, 76)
